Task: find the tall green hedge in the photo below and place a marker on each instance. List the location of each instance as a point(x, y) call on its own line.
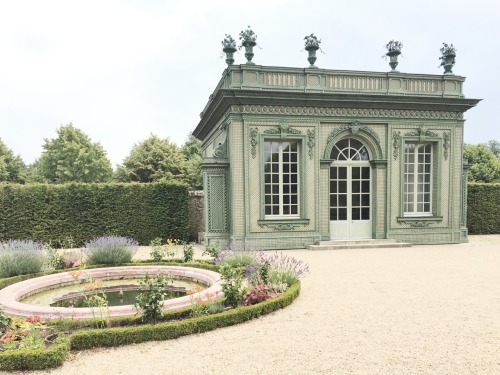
point(483, 208)
point(56, 213)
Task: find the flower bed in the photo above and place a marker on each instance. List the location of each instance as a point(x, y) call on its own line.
point(198, 317)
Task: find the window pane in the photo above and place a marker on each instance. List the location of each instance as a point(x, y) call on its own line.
point(365, 186)
point(342, 186)
point(356, 200)
point(342, 213)
point(417, 178)
point(365, 200)
point(333, 173)
point(356, 173)
point(356, 214)
point(342, 173)
point(342, 200)
point(333, 200)
point(365, 173)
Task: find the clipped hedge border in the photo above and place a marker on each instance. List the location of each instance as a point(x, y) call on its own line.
point(483, 203)
point(37, 359)
point(123, 334)
point(110, 337)
point(57, 213)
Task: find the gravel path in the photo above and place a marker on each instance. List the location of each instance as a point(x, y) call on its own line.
point(419, 310)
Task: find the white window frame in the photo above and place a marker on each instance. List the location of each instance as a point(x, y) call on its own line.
point(415, 194)
point(281, 183)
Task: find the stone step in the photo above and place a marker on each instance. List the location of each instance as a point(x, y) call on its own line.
point(357, 244)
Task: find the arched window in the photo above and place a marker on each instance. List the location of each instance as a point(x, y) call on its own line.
point(349, 149)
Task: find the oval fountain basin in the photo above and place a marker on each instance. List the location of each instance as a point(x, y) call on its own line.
point(11, 296)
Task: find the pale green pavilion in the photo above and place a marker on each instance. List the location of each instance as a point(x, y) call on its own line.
point(293, 156)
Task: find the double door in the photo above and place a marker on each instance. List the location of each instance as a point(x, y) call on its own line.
point(350, 199)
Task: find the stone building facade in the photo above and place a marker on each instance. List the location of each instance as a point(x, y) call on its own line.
point(293, 156)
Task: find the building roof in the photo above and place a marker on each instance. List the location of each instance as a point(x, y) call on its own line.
point(256, 85)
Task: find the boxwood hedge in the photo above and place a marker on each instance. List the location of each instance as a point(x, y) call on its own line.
point(483, 207)
point(77, 212)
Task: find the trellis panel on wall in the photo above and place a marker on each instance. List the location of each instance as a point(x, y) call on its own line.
point(217, 203)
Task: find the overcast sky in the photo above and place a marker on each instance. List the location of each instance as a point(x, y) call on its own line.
point(120, 70)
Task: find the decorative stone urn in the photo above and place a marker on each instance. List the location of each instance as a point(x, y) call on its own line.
point(311, 46)
point(393, 51)
point(448, 54)
point(229, 48)
point(248, 40)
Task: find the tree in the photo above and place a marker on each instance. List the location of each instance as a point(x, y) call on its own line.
point(494, 146)
point(12, 167)
point(153, 159)
point(485, 166)
point(72, 156)
point(192, 152)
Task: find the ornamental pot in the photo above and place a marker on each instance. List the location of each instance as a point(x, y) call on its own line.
point(312, 55)
point(229, 51)
point(393, 55)
point(249, 50)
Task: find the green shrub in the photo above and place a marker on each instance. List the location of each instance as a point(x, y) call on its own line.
point(54, 259)
point(4, 322)
point(188, 252)
point(157, 250)
point(232, 284)
point(166, 331)
point(18, 257)
point(150, 301)
point(483, 207)
point(35, 359)
point(56, 214)
point(110, 250)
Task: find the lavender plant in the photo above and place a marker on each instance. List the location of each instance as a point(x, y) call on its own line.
point(285, 269)
point(110, 250)
point(21, 257)
point(239, 255)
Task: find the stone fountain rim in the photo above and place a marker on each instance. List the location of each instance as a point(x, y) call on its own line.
point(12, 294)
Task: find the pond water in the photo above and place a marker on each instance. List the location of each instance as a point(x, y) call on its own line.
point(115, 290)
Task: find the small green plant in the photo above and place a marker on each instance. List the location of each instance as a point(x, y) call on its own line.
point(68, 242)
point(24, 334)
point(96, 300)
point(110, 250)
point(54, 259)
point(201, 306)
point(212, 250)
point(31, 329)
point(171, 248)
point(157, 250)
point(150, 301)
point(188, 252)
point(232, 284)
point(4, 321)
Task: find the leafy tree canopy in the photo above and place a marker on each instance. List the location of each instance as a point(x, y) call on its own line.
point(12, 167)
point(494, 146)
point(192, 152)
point(485, 165)
point(72, 156)
point(153, 159)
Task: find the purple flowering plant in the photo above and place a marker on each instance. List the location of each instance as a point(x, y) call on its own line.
point(110, 250)
point(20, 257)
